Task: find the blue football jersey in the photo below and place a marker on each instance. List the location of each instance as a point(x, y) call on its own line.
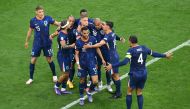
point(111, 40)
point(62, 36)
point(138, 56)
point(86, 55)
point(41, 30)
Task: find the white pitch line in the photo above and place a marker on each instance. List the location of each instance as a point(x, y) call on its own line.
point(187, 43)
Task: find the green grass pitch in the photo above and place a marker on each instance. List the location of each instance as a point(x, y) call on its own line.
point(160, 24)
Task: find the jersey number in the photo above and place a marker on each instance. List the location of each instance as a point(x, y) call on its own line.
point(140, 60)
point(37, 28)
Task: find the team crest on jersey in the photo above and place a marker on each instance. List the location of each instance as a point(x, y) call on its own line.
point(102, 32)
point(90, 43)
point(45, 23)
point(94, 33)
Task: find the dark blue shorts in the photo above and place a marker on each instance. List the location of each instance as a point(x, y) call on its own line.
point(64, 62)
point(114, 58)
point(36, 51)
point(137, 79)
point(87, 69)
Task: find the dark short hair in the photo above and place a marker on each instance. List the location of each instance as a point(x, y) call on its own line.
point(39, 7)
point(63, 23)
point(83, 10)
point(133, 39)
point(109, 23)
point(84, 28)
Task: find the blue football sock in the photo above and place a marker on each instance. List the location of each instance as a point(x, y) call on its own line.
point(128, 101)
point(32, 67)
point(118, 86)
point(140, 101)
point(52, 66)
point(64, 84)
point(58, 84)
point(81, 89)
point(99, 73)
point(71, 75)
point(108, 77)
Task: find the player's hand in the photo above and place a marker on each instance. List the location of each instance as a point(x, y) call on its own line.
point(169, 55)
point(79, 67)
point(87, 46)
point(122, 40)
point(108, 67)
point(72, 45)
point(26, 45)
point(104, 62)
point(51, 37)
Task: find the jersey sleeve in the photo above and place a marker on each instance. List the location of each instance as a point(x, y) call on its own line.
point(62, 37)
point(77, 45)
point(106, 38)
point(149, 51)
point(51, 20)
point(155, 54)
point(32, 24)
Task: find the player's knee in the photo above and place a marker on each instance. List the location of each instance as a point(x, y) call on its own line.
point(33, 60)
point(82, 80)
point(49, 59)
point(115, 76)
point(139, 91)
point(129, 91)
point(95, 81)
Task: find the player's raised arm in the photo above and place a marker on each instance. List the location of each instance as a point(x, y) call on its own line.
point(57, 23)
point(159, 55)
point(28, 37)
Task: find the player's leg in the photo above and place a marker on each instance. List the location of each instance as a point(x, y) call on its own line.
point(140, 86)
point(82, 84)
point(131, 86)
point(140, 98)
point(64, 66)
point(99, 64)
point(34, 54)
point(94, 78)
point(117, 83)
point(72, 72)
point(108, 80)
point(48, 52)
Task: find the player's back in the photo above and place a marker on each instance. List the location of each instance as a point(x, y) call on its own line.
point(138, 57)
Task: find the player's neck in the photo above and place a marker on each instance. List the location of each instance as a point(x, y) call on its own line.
point(64, 31)
point(134, 45)
point(108, 31)
point(84, 39)
point(39, 18)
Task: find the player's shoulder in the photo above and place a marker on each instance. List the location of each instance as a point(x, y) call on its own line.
point(92, 38)
point(32, 19)
point(47, 16)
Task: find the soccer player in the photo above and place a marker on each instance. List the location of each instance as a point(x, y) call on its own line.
point(40, 24)
point(137, 56)
point(63, 57)
point(86, 62)
point(99, 34)
point(72, 39)
point(83, 13)
point(110, 38)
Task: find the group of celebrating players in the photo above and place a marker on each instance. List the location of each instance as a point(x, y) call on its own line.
point(91, 44)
